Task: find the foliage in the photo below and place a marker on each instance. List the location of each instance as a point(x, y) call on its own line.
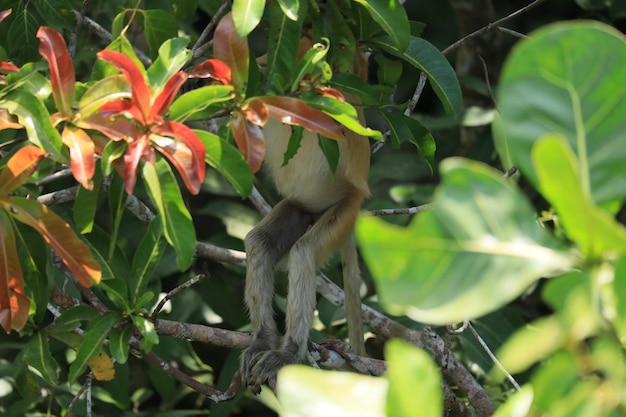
point(538, 265)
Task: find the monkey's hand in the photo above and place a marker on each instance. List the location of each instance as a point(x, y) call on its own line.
point(266, 368)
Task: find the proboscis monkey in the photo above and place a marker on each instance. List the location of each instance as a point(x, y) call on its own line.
point(315, 218)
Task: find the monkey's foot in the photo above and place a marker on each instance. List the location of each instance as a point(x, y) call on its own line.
point(266, 368)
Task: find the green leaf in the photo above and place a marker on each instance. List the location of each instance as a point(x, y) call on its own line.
point(33, 115)
point(423, 55)
point(567, 78)
point(91, 344)
point(173, 214)
point(391, 16)
point(477, 249)
point(403, 128)
point(330, 149)
point(228, 161)
point(560, 180)
point(291, 8)
point(283, 42)
point(295, 141)
point(200, 103)
point(39, 357)
point(619, 294)
point(72, 319)
point(146, 259)
point(22, 34)
point(117, 291)
point(119, 343)
point(58, 13)
point(146, 328)
point(247, 15)
point(173, 55)
point(304, 391)
point(115, 87)
point(85, 205)
point(409, 367)
point(517, 405)
point(158, 26)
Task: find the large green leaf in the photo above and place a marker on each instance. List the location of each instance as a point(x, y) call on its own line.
point(559, 174)
point(32, 114)
point(409, 367)
point(390, 15)
point(478, 248)
point(158, 26)
point(200, 103)
point(173, 55)
point(223, 156)
point(247, 15)
point(175, 218)
point(39, 357)
point(568, 78)
point(423, 55)
point(304, 391)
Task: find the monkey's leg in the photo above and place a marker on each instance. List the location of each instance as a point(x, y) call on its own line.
point(310, 251)
point(352, 294)
point(265, 245)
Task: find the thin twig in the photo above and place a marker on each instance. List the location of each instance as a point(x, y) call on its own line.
point(193, 281)
point(86, 385)
point(491, 26)
point(402, 210)
point(199, 48)
point(74, 34)
point(492, 356)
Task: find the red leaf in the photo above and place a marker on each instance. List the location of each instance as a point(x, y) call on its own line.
point(331, 92)
point(21, 166)
point(62, 78)
point(8, 68)
point(256, 112)
point(232, 50)
point(4, 14)
point(168, 95)
point(140, 90)
point(14, 305)
point(292, 111)
point(122, 107)
point(186, 153)
point(249, 139)
point(115, 129)
point(82, 156)
point(213, 68)
point(139, 148)
point(73, 252)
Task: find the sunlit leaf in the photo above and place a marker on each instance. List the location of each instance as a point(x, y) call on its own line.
point(19, 168)
point(81, 154)
point(14, 304)
point(390, 15)
point(193, 104)
point(249, 139)
point(478, 248)
point(115, 87)
point(567, 79)
point(409, 367)
point(72, 251)
point(173, 55)
point(62, 78)
point(232, 49)
point(304, 391)
point(167, 95)
point(247, 15)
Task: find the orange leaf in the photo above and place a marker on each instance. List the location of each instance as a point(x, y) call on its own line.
point(73, 252)
point(21, 166)
point(293, 111)
point(14, 305)
point(249, 139)
point(137, 149)
point(213, 68)
point(256, 112)
point(102, 367)
point(62, 77)
point(82, 155)
point(230, 48)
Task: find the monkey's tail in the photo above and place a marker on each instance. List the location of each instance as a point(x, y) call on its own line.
point(352, 290)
